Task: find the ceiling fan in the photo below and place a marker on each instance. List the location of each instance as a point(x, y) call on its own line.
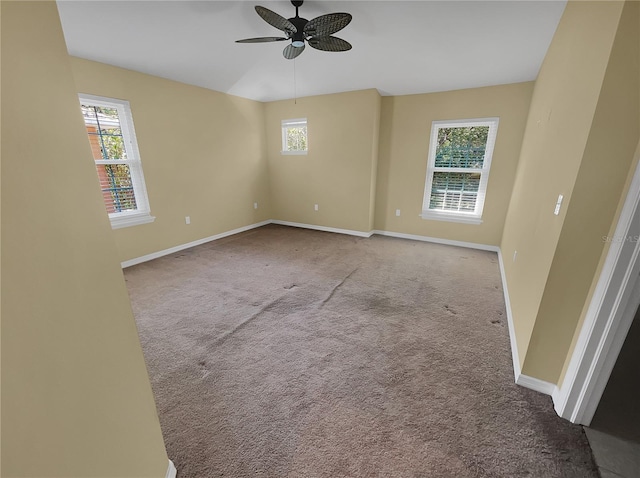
point(316, 32)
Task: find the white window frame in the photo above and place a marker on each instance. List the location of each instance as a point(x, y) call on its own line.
point(142, 215)
point(293, 123)
point(469, 217)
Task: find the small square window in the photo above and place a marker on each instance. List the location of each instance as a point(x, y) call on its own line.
point(294, 136)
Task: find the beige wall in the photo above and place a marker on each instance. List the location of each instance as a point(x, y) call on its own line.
point(76, 399)
point(404, 146)
point(339, 171)
point(210, 156)
point(579, 142)
point(203, 156)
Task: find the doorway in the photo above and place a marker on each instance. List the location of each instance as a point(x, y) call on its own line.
point(618, 412)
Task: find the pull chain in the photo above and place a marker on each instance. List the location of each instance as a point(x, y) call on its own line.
point(295, 85)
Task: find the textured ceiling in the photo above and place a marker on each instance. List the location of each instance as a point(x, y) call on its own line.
point(399, 47)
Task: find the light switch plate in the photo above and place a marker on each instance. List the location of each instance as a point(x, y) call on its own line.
point(556, 211)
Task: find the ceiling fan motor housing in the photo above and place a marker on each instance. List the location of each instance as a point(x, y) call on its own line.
point(298, 36)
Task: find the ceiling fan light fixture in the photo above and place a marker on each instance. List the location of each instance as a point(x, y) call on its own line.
point(297, 43)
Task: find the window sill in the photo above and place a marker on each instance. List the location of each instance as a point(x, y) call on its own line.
point(451, 218)
point(118, 222)
point(294, 153)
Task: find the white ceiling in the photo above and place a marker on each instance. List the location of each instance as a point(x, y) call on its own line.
point(399, 47)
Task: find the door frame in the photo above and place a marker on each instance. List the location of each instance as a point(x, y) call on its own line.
point(608, 318)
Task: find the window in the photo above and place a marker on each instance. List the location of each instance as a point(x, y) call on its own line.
point(113, 143)
point(294, 136)
point(458, 169)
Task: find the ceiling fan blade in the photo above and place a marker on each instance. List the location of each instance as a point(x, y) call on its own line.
point(290, 51)
point(326, 25)
point(329, 44)
point(261, 39)
point(273, 19)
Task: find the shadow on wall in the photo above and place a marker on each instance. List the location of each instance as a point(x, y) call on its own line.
point(618, 413)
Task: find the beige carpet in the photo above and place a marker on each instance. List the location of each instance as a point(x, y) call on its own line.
point(285, 352)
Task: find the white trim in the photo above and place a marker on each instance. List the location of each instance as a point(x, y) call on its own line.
point(294, 153)
point(536, 384)
point(515, 358)
point(171, 470)
point(433, 215)
point(294, 122)
point(171, 250)
point(120, 221)
point(102, 100)
point(523, 380)
point(323, 228)
point(607, 319)
point(436, 240)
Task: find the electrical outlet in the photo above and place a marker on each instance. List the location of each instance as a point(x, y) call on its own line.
point(315, 207)
point(255, 205)
point(187, 219)
point(397, 212)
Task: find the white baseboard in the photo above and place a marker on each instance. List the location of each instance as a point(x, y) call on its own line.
point(523, 380)
point(536, 384)
point(171, 470)
point(178, 248)
point(323, 228)
point(171, 250)
point(515, 358)
point(436, 240)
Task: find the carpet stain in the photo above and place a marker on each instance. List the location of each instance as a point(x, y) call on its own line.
point(450, 310)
